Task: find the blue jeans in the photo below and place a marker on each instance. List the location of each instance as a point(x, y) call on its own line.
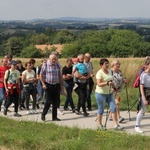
point(40, 91)
point(69, 88)
point(101, 102)
point(2, 95)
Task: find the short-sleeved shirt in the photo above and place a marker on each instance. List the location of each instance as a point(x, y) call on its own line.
point(89, 67)
point(29, 75)
point(13, 77)
point(117, 79)
point(145, 79)
point(81, 68)
point(51, 73)
point(2, 73)
point(104, 77)
point(66, 70)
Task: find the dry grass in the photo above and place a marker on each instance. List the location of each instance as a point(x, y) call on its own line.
point(129, 66)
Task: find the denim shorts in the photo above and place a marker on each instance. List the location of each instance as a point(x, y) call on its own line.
point(102, 99)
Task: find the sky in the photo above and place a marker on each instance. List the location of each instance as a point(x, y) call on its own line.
point(49, 9)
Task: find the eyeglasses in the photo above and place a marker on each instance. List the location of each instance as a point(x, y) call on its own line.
point(118, 64)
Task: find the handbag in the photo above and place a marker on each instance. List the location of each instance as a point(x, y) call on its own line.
point(147, 94)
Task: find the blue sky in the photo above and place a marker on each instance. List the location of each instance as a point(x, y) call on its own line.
point(47, 9)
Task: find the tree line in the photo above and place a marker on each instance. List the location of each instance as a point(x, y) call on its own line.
point(99, 43)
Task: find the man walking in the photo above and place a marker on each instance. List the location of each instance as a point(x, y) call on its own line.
point(88, 64)
point(51, 79)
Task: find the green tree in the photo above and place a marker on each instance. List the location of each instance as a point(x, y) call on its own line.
point(63, 37)
point(124, 43)
point(39, 39)
point(31, 52)
point(14, 46)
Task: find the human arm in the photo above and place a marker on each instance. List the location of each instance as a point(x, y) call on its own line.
point(143, 94)
point(66, 75)
point(101, 83)
point(5, 82)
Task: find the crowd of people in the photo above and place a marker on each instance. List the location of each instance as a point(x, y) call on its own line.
point(19, 85)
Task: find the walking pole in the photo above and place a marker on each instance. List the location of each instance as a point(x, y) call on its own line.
point(127, 100)
point(107, 113)
point(133, 104)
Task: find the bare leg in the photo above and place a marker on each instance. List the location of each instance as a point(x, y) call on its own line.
point(99, 117)
point(114, 117)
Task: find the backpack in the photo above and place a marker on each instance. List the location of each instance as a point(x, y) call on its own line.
point(136, 83)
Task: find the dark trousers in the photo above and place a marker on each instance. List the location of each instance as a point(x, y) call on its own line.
point(51, 96)
point(12, 98)
point(27, 94)
point(69, 88)
point(58, 101)
point(89, 92)
point(81, 92)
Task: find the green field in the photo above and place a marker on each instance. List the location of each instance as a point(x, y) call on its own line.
point(25, 135)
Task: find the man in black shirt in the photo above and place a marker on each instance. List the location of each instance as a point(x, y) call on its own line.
point(68, 83)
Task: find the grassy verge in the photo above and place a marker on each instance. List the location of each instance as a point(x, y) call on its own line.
point(41, 136)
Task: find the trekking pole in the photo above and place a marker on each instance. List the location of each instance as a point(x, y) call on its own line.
point(107, 113)
point(132, 105)
point(127, 100)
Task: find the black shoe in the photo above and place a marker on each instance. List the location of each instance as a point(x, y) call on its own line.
point(56, 119)
point(43, 117)
point(5, 111)
point(8, 110)
point(23, 106)
point(78, 113)
point(85, 114)
point(66, 109)
point(37, 106)
point(17, 115)
point(89, 109)
point(74, 110)
point(20, 107)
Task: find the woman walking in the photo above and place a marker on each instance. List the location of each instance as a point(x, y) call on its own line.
point(103, 93)
point(145, 94)
point(29, 87)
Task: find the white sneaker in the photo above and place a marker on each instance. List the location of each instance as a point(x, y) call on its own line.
point(34, 112)
point(118, 127)
point(28, 112)
point(75, 86)
point(120, 119)
point(101, 127)
point(60, 113)
point(138, 130)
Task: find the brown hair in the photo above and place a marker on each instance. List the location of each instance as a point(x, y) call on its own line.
point(27, 64)
point(103, 60)
point(32, 61)
point(69, 59)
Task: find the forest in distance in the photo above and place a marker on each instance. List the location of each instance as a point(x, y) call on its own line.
point(98, 38)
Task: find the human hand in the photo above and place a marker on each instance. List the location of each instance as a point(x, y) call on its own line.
point(145, 102)
point(44, 87)
point(110, 83)
point(124, 80)
point(92, 75)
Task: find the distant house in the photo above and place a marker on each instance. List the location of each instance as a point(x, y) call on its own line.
point(50, 47)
